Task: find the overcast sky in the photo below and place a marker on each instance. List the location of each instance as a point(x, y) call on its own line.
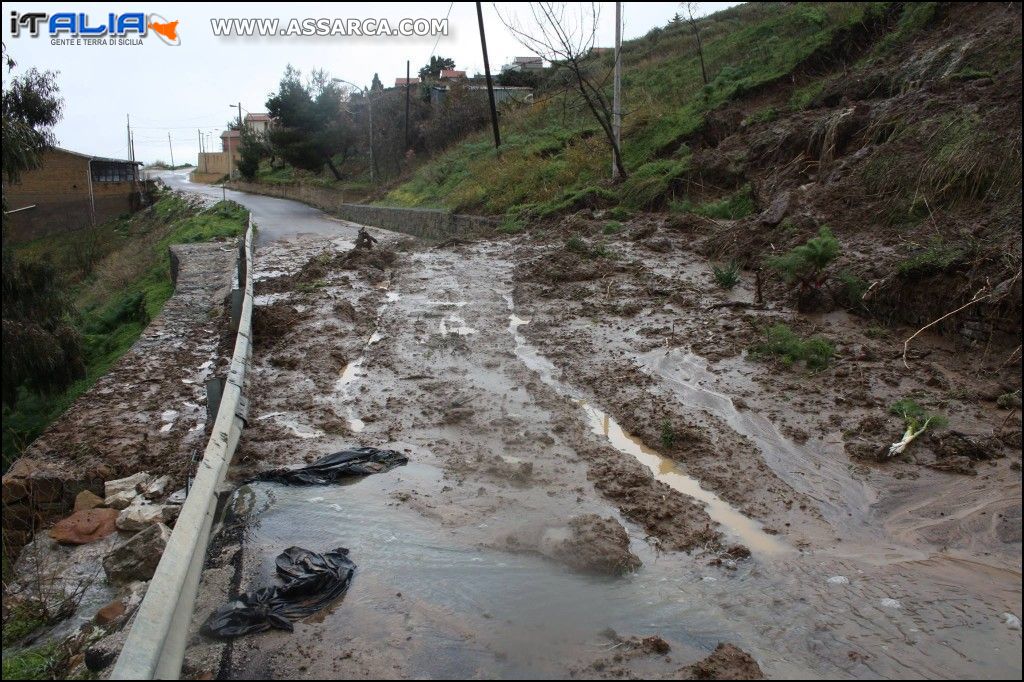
point(179, 89)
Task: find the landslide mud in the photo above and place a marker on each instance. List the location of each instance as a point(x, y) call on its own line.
point(546, 500)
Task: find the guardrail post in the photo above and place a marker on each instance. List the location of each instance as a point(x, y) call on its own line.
point(214, 391)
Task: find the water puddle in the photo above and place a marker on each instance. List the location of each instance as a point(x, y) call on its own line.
point(840, 497)
point(734, 523)
point(291, 422)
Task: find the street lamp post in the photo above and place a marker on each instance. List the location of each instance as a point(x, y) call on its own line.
point(231, 156)
point(369, 107)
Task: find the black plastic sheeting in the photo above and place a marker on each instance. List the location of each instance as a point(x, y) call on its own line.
point(345, 464)
point(311, 582)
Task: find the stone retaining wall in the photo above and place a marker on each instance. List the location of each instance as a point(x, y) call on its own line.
point(427, 223)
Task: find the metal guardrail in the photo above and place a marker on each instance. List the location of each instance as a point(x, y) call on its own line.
point(155, 646)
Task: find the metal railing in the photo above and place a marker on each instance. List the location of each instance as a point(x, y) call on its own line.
point(155, 646)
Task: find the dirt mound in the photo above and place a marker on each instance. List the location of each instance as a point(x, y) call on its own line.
point(726, 662)
point(675, 520)
point(563, 265)
point(596, 545)
point(271, 323)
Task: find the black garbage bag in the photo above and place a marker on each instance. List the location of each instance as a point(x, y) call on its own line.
point(345, 464)
point(311, 581)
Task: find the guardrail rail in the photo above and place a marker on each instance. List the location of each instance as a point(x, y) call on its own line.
point(155, 646)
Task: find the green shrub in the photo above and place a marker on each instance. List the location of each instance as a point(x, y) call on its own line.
point(31, 664)
point(853, 290)
point(612, 227)
point(668, 435)
point(1009, 401)
point(782, 342)
point(804, 266)
point(728, 275)
point(914, 416)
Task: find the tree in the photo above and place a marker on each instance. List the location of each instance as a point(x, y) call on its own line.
point(311, 123)
point(251, 149)
point(42, 351)
point(691, 19)
point(566, 39)
point(375, 84)
point(436, 65)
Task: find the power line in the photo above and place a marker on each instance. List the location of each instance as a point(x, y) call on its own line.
point(450, 5)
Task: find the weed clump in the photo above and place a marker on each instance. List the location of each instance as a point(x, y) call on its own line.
point(727, 275)
point(783, 343)
point(804, 266)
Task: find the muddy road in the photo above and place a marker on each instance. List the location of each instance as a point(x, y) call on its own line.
point(585, 471)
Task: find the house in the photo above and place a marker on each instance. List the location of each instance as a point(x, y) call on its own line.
point(70, 191)
point(229, 140)
point(402, 82)
point(257, 123)
point(524, 64)
point(452, 75)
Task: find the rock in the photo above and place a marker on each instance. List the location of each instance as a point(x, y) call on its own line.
point(14, 489)
point(120, 500)
point(142, 514)
point(85, 526)
point(104, 652)
point(177, 497)
point(86, 500)
point(776, 210)
point(133, 484)
point(726, 662)
point(137, 558)
point(109, 613)
point(156, 488)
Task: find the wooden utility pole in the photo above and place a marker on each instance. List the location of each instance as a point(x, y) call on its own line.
point(617, 96)
point(487, 73)
point(171, 146)
point(407, 86)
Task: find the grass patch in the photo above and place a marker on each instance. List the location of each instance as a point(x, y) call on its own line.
point(935, 258)
point(916, 417)
point(733, 207)
point(32, 664)
point(786, 345)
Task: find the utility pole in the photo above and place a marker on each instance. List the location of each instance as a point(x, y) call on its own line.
point(487, 73)
point(407, 105)
point(617, 95)
point(169, 144)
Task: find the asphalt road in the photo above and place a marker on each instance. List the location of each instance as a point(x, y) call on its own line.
point(277, 218)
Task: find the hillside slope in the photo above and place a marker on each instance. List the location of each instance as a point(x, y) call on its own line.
point(898, 125)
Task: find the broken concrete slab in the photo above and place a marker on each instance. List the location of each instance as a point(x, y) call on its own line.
point(141, 514)
point(132, 483)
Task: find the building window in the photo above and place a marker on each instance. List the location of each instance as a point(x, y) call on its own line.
point(112, 171)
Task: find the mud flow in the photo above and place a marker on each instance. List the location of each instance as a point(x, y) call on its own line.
point(474, 561)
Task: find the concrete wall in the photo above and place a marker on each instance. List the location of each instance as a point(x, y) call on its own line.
point(213, 163)
point(427, 223)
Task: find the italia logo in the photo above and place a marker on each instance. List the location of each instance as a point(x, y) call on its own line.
point(72, 25)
